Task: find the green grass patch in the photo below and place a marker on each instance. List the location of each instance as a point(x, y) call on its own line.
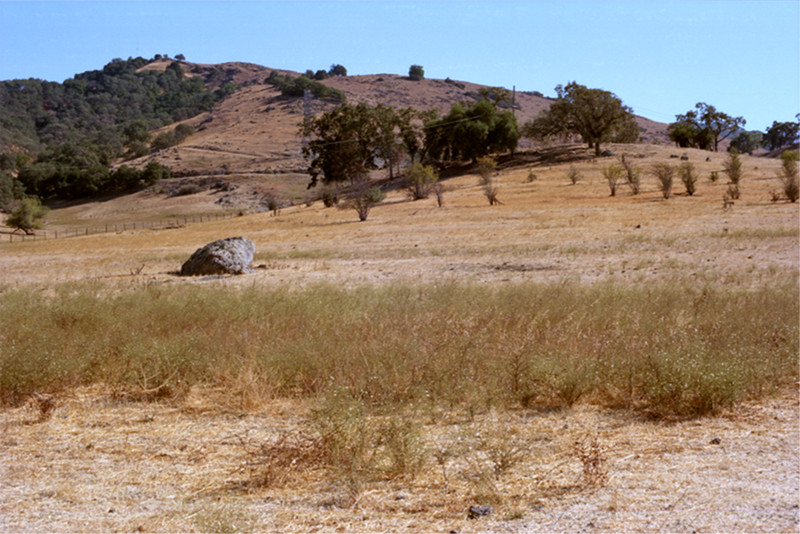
point(668, 349)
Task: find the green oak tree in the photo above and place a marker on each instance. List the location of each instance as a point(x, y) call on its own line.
point(597, 116)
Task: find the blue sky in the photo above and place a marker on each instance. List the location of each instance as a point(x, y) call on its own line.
point(659, 56)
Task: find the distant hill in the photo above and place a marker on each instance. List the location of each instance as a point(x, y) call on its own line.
point(239, 122)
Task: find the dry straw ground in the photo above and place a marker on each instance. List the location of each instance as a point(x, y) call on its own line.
point(95, 459)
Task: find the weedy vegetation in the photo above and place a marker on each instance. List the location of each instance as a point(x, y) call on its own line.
point(668, 350)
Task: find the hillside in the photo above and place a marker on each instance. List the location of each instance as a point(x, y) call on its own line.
point(237, 120)
point(255, 130)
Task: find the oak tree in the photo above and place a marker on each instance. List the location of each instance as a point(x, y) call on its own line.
point(597, 116)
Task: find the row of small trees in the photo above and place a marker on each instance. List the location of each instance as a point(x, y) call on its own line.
point(665, 174)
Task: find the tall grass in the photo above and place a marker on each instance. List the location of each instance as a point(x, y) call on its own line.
point(668, 349)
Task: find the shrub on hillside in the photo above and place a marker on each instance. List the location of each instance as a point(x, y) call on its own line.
point(789, 175)
point(574, 175)
point(420, 180)
point(612, 174)
point(362, 198)
point(632, 175)
point(416, 73)
point(733, 167)
point(173, 137)
point(296, 87)
point(664, 173)
point(27, 215)
point(688, 177)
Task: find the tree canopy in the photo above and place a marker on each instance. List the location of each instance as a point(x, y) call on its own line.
point(747, 142)
point(704, 127)
point(27, 215)
point(353, 139)
point(782, 134)
point(343, 144)
point(416, 72)
point(597, 116)
point(470, 131)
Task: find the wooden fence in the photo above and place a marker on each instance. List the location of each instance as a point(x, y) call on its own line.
point(172, 222)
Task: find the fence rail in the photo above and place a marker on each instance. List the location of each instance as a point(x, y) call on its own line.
point(165, 224)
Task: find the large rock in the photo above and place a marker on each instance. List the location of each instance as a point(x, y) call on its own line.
point(232, 255)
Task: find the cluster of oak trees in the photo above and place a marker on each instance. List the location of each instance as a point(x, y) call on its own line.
point(354, 139)
point(705, 127)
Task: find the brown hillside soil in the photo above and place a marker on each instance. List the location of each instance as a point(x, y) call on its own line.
point(256, 130)
point(103, 462)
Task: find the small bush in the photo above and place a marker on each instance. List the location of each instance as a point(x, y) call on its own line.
point(420, 180)
point(574, 175)
point(714, 176)
point(612, 174)
point(362, 198)
point(531, 176)
point(360, 447)
point(592, 456)
point(173, 137)
point(486, 169)
point(187, 189)
point(789, 175)
point(439, 190)
point(27, 215)
point(688, 177)
point(296, 87)
point(330, 196)
point(664, 173)
point(733, 167)
point(284, 459)
point(274, 203)
point(632, 175)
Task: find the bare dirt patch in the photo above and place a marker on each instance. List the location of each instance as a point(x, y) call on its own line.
point(100, 464)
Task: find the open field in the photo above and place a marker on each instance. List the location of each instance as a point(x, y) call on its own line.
point(577, 361)
point(545, 230)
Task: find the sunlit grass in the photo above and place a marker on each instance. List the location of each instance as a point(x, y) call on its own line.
point(678, 348)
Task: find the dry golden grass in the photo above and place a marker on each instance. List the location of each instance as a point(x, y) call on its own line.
point(98, 461)
point(545, 230)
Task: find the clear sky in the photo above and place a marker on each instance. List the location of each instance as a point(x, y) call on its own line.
point(660, 57)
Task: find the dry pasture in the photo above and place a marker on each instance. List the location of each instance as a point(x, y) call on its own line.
point(98, 461)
